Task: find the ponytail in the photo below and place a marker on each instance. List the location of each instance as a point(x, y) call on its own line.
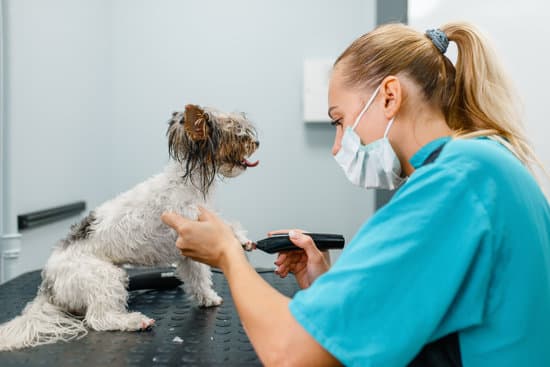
point(483, 102)
point(475, 96)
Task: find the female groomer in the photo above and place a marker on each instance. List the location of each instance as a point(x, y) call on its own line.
point(457, 263)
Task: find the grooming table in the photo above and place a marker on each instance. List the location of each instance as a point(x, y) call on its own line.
point(210, 336)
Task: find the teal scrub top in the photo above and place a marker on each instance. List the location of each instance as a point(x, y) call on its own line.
point(463, 247)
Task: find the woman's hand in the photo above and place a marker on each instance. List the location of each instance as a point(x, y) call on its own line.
point(307, 264)
point(208, 240)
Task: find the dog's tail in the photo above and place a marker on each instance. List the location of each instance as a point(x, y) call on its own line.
point(40, 323)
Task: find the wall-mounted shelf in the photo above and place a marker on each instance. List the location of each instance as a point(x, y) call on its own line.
point(317, 74)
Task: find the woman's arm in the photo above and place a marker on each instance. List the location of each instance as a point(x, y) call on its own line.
point(276, 336)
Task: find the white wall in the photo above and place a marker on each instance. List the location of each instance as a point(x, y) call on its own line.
point(242, 55)
point(91, 84)
point(520, 35)
point(57, 90)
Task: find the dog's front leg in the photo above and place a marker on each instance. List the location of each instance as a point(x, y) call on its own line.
point(241, 235)
point(238, 231)
point(197, 282)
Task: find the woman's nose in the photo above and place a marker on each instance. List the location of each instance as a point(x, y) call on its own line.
point(337, 141)
point(335, 148)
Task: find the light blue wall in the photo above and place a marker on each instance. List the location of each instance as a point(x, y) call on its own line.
point(92, 84)
point(58, 111)
point(242, 55)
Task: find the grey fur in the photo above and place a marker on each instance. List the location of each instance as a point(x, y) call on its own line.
point(80, 231)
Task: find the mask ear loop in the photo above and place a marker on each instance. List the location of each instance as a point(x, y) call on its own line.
point(366, 107)
point(388, 127)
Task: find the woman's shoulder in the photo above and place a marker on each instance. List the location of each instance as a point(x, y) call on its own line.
point(480, 165)
point(481, 156)
point(479, 148)
point(487, 167)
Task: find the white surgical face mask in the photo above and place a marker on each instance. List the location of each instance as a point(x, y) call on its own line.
point(371, 166)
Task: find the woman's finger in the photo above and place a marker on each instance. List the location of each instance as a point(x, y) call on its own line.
point(295, 254)
point(287, 256)
point(175, 221)
point(278, 231)
point(306, 243)
point(283, 272)
point(280, 258)
point(180, 244)
point(205, 214)
point(281, 268)
point(283, 231)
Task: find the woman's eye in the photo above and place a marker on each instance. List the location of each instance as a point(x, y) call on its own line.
point(336, 122)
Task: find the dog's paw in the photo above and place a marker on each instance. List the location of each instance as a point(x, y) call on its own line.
point(133, 321)
point(248, 245)
point(147, 324)
point(208, 300)
point(239, 233)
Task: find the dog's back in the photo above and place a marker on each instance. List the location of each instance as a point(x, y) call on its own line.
point(128, 229)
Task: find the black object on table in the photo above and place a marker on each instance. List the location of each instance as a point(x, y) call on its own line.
point(209, 336)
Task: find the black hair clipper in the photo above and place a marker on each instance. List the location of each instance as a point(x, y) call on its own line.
point(281, 242)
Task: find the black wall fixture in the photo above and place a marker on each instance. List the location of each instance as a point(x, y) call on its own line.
point(46, 216)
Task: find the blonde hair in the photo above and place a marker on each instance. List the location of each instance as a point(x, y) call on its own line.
point(475, 96)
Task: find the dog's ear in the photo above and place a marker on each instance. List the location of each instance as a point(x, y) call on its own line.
point(195, 123)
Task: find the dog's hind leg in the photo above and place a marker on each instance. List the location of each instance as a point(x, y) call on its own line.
point(100, 319)
point(109, 313)
point(104, 289)
point(197, 282)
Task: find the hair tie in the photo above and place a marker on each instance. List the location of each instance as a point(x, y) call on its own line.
point(439, 39)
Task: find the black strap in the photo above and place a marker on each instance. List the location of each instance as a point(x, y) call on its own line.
point(444, 352)
point(433, 155)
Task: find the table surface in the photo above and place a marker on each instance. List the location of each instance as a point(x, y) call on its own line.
point(211, 336)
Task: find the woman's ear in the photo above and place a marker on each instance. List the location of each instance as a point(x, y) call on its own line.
point(393, 95)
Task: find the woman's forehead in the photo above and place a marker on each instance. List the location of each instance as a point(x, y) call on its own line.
point(338, 89)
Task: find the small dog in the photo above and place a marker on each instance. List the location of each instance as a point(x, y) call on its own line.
point(83, 285)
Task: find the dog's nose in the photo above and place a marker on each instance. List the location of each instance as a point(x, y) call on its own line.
point(257, 144)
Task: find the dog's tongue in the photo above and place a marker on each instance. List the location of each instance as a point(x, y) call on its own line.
point(250, 164)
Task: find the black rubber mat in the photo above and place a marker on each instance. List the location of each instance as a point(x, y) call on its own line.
point(209, 336)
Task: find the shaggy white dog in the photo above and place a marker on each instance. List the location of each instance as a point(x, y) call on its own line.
point(83, 285)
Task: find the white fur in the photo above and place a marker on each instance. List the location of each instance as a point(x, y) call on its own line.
point(84, 278)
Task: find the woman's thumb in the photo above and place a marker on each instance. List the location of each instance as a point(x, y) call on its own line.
point(174, 220)
point(304, 242)
point(205, 214)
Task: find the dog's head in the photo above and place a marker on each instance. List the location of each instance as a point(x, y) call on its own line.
point(208, 142)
